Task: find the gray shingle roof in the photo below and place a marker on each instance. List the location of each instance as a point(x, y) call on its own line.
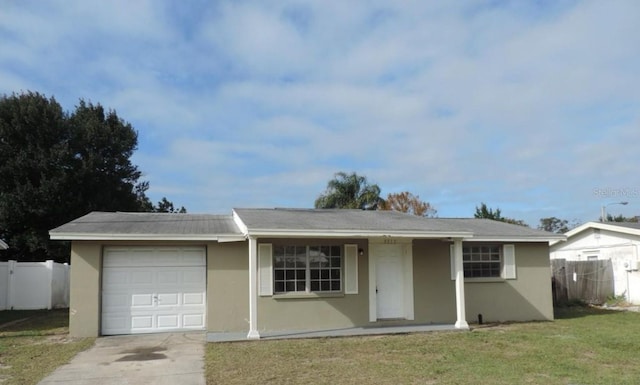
point(258, 220)
point(159, 224)
point(631, 225)
point(283, 222)
point(338, 219)
point(487, 228)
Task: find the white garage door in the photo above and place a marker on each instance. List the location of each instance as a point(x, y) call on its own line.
point(153, 289)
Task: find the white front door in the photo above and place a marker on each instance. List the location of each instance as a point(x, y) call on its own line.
point(153, 289)
point(389, 286)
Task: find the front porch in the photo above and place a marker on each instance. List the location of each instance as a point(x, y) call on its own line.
point(333, 333)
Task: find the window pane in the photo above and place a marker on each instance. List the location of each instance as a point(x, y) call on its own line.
point(290, 285)
point(300, 286)
point(290, 261)
point(278, 275)
point(325, 251)
point(325, 286)
point(335, 285)
point(324, 274)
point(482, 261)
point(315, 286)
point(315, 274)
point(335, 261)
point(290, 274)
point(336, 251)
point(278, 262)
point(279, 287)
point(301, 274)
point(335, 273)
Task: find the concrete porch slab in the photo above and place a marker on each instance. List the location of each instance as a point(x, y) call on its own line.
point(345, 332)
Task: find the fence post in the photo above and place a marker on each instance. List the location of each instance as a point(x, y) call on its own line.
point(10, 283)
point(49, 266)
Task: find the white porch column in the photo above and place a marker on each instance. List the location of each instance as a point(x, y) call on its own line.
point(461, 317)
point(253, 290)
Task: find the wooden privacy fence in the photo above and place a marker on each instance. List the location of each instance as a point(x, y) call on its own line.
point(587, 281)
point(33, 285)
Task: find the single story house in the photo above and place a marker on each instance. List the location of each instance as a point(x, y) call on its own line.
point(263, 270)
point(615, 241)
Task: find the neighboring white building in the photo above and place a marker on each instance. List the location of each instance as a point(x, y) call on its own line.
point(617, 241)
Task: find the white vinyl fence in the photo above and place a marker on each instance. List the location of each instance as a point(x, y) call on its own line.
point(33, 285)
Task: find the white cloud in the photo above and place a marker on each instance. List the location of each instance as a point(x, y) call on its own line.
point(524, 105)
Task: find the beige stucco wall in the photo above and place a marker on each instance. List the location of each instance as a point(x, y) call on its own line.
point(434, 295)
point(523, 299)
point(228, 287)
point(526, 298)
point(84, 288)
point(279, 313)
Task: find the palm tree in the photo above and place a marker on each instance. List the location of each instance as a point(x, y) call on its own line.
point(349, 191)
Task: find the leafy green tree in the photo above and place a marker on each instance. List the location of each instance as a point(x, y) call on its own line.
point(166, 206)
point(102, 145)
point(57, 166)
point(621, 218)
point(488, 213)
point(350, 191)
point(34, 172)
point(406, 202)
point(556, 225)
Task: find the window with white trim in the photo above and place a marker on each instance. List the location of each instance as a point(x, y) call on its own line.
point(307, 269)
point(482, 261)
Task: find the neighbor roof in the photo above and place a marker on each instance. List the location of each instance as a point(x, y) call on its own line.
point(146, 226)
point(631, 228)
point(3, 245)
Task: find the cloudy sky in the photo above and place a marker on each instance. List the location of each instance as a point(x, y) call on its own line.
point(529, 106)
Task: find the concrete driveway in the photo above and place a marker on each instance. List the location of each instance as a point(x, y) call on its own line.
point(167, 358)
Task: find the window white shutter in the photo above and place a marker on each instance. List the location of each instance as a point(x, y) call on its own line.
point(351, 269)
point(509, 262)
point(452, 258)
point(265, 271)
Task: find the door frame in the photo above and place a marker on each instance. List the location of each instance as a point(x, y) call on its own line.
point(403, 247)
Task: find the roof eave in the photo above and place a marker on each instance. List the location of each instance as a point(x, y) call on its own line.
point(146, 237)
point(294, 233)
point(517, 239)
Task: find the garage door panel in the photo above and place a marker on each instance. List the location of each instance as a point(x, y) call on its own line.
point(141, 277)
point(116, 322)
point(115, 301)
point(142, 300)
point(192, 257)
point(168, 321)
point(168, 299)
point(141, 322)
point(193, 276)
point(115, 277)
point(150, 289)
point(168, 277)
point(193, 299)
point(194, 321)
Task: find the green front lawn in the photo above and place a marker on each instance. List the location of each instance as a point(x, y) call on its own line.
point(34, 343)
point(583, 346)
